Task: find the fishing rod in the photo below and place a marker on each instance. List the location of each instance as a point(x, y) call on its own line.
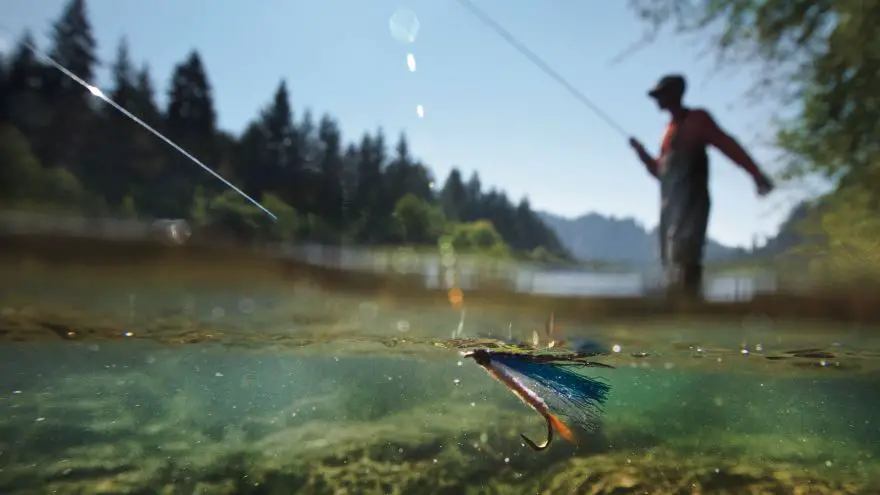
point(95, 91)
point(541, 64)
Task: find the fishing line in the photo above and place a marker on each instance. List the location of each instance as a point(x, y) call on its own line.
point(632, 49)
point(95, 91)
point(541, 64)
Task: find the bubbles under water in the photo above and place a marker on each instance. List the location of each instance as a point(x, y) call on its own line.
point(404, 25)
point(246, 305)
point(411, 62)
point(175, 231)
point(404, 260)
point(420, 111)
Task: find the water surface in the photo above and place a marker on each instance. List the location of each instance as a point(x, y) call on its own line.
point(116, 384)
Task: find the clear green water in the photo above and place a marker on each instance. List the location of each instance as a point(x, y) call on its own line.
point(284, 390)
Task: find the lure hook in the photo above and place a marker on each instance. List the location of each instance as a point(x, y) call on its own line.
point(543, 446)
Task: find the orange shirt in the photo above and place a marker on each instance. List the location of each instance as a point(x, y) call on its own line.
point(698, 129)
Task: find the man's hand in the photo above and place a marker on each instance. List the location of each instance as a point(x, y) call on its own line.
point(637, 146)
point(763, 185)
point(644, 156)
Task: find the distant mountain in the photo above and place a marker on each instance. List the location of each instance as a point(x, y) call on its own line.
point(594, 237)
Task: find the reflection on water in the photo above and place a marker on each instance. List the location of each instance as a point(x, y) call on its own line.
point(523, 277)
point(430, 265)
point(285, 388)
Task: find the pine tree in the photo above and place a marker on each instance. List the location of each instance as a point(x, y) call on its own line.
point(73, 47)
point(191, 122)
point(473, 203)
point(453, 196)
point(23, 102)
point(330, 190)
point(109, 171)
point(280, 169)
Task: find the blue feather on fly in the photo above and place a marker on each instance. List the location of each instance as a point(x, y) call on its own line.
point(572, 394)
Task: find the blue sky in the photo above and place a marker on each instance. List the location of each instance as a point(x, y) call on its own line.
point(486, 107)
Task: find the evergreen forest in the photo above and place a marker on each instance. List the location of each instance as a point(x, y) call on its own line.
point(64, 150)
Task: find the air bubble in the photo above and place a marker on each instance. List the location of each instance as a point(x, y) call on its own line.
point(404, 260)
point(420, 111)
point(404, 25)
point(246, 305)
point(411, 62)
point(172, 231)
point(448, 260)
point(368, 311)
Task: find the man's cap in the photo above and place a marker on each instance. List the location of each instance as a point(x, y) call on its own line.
point(669, 84)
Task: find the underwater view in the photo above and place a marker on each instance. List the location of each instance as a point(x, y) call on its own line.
point(192, 377)
point(457, 247)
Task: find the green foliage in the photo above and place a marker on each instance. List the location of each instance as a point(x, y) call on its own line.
point(476, 237)
point(288, 222)
point(841, 237)
point(24, 181)
point(60, 185)
point(19, 170)
point(417, 221)
point(128, 210)
point(541, 255)
point(231, 211)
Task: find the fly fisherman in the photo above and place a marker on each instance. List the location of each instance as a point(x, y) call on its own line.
point(683, 172)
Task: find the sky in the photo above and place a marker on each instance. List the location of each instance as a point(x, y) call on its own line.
point(486, 108)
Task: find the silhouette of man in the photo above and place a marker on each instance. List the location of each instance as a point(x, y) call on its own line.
point(683, 171)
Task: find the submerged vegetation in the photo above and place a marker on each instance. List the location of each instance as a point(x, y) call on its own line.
point(63, 149)
point(200, 420)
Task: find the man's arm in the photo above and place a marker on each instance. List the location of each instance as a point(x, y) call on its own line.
point(714, 135)
point(649, 161)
